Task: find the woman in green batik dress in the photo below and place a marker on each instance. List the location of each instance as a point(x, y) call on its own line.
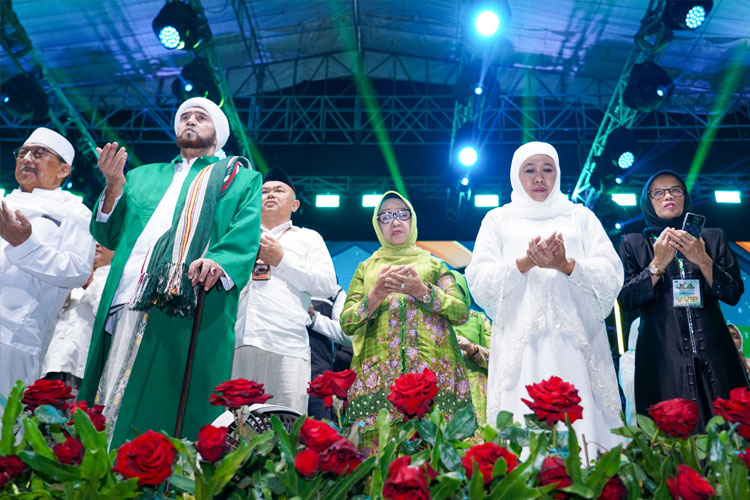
point(474, 340)
point(400, 308)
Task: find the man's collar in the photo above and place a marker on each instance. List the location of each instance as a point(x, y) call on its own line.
point(203, 159)
point(281, 227)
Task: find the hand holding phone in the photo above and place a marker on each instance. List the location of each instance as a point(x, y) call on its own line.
point(690, 248)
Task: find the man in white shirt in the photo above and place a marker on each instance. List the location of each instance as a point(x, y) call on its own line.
point(45, 251)
point(293, 265)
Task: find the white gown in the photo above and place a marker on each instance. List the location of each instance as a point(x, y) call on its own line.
point(546, 323)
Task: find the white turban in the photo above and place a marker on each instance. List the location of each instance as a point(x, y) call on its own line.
point(219, 119)
point(54, 141)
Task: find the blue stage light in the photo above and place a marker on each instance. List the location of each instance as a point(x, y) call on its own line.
point(626, 160)
point(618, 225)
point(478, 89)
point(188, 87)
point(695, 17)
point(468, 156)
point(465, 181)
point(170, 37)
point(619, 180)
point(487, 23)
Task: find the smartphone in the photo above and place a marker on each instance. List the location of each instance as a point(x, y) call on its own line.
point(693, 225)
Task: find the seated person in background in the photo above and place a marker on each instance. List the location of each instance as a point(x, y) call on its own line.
point(324, 334)
point(69, 347)
point(737, 337)
point(45, 251)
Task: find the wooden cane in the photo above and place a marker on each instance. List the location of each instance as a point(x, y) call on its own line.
point(189, 363)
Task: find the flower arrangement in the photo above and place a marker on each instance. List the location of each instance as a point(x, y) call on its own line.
point(52, 448)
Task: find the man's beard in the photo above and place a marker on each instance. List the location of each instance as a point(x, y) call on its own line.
point(197, 143)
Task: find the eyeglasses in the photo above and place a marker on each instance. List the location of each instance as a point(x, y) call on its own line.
point(37, 152)
point(387, 217)
point(659, 193)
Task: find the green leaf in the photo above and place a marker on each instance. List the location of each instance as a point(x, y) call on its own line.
point(504, 420)
point(384, 426)
point(125, 488)
point(182, 483)
point(606, 467)
point(449, 457)
point(386, 457)
point(35, 438)
point(49, 468)
point(287, 444)
point(446, 488)
point(342, 486)
point(662, 491)
point(573, 460)
point(476, 483)
point(11, 411)
point(580, 490)
point(231, 463)
point(462, 425)
point(514, 485)
point(488, 433)
point(48, 414)
point(90, 437)
point(645, 423)
point(427, 431)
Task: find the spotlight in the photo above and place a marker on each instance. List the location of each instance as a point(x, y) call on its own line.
point(465, 181)
point(468, 156)
point(22, 95)
point(196, 80)
point(478, 89)
point(371, 200)
point(728, 197)
point(624, 199)
point(686, 14)
point(618, 225)
point(487, 23)
point(648, 86)
point(327, 200)
point(619, 180)
point(178, 26)
point(622, 148)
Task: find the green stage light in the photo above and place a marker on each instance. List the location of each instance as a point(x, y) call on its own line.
point(327, 200)
point(728, 197)
point(371, 200)
point(624, 199)
point(486, 200)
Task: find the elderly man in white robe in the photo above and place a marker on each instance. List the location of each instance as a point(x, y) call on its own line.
point(45, 251)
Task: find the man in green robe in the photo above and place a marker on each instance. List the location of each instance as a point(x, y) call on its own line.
point(193, 221)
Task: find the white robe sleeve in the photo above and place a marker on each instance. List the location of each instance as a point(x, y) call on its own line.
point(491, 277)
point(599, 273)
point(64, 263)
point(331, 327)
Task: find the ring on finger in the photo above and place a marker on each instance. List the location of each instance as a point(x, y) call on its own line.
point(403, 285)
point(213, 270)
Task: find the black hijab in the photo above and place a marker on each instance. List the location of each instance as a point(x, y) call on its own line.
point(654, 223)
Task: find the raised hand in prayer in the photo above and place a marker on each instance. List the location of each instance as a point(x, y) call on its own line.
point(550, 254)
point(112, 164)
point(379, 292)
point(14, 228)
point(270, 251)
point(406, 280)
point(205, 271)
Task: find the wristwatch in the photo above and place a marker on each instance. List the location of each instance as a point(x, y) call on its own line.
point(427, 296)
point(655, 271)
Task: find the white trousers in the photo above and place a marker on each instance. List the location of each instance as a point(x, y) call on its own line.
point(283, 376)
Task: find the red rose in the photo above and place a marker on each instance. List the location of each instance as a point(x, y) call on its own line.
point(745, 457)
point(553, 400)
point(70, 452)
point(615, 489)
point(238, 392)
point(94, 413)
point(412, 393)
point(330, 384)
point(689, 485)
point(317, 435)
point(675, 417)
point(149, 457)
point(553, 472)
point(47, 392)
point(736, 410)
point(212, 443)
point(405, 482)
point(10, 468)
point(485, 455)
point(341, 457)
point(307, 462)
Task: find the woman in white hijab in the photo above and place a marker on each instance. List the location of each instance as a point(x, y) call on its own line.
point(546, 273)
